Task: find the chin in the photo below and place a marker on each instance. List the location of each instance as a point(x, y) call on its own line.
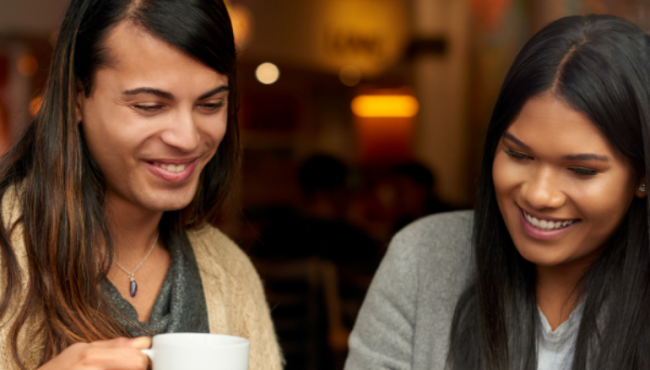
point(169, 200)
point(543, 257)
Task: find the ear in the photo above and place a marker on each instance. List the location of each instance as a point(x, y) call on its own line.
point(79, 100)
point(642, 188)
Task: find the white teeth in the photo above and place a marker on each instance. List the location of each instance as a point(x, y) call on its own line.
point(546, 224)
point(535, 222)
point(173, 168)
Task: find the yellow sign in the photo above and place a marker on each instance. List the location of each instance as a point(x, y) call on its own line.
point(385, 106)
point(368, 34)
point(364, 36)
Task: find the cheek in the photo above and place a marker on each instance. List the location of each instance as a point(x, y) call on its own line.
point(104, 138)
point(111, 134)
point(505, 176)
point(604, 202)
point(213, 129)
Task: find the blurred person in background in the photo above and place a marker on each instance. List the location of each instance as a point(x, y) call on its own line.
point(393, 198)
point(415, 193)
point(106, 195)
point(319, 227)
point(323, 182)
point(551, 270)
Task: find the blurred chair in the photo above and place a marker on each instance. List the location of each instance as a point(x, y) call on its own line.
point(293, 292)
point(312, 321)
point(337, 332)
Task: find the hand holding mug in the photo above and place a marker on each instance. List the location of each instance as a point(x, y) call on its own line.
point(119, 353)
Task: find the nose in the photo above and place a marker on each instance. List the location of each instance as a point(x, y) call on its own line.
point(182, 132)
point(543, 190)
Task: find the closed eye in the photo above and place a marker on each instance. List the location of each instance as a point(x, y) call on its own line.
point(148, 108)
point(212, 106)
point(583, 171)
point(517, 155)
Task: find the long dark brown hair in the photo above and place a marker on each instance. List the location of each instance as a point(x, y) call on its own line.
point(60, 189)
point(600, 66)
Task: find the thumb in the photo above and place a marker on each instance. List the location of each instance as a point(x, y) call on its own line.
point(140, 343)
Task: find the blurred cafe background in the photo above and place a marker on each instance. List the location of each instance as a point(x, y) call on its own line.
point(357, 117)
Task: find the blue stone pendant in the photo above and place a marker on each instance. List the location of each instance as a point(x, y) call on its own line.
point(133, 288)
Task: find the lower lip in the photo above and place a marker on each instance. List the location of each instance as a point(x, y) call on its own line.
point(542, 234)
point(173, 177)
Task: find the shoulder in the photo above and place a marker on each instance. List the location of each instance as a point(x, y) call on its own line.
point(429, 260)
point(11, 210)
point(234, 295)
point(11, 221)
point(444, 237)
point(445, 227)
point(404, 321)
point(215, 250)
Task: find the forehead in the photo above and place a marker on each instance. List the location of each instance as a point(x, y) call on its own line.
point(137, 58)
point(548, 124)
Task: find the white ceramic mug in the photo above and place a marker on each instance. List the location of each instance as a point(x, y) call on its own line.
point(181, 351)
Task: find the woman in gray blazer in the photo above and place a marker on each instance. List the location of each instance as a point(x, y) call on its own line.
point(552, 268)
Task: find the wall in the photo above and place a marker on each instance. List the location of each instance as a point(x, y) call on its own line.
point(440, 83)
point(31, 18)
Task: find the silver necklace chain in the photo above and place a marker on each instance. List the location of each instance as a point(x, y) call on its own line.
point(141, 262)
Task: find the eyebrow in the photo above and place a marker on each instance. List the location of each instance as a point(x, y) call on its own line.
point(568, 157)
point(512, 138)
point(585, 157)
point(170, 96)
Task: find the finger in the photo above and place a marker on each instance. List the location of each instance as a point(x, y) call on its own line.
point(114, 358)
point(139, 343)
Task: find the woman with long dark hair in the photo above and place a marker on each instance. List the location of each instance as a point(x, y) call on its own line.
point(107, 195)
point(552, 269)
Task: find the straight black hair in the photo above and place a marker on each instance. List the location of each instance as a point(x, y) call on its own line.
point(60, 189)
point(600, 66)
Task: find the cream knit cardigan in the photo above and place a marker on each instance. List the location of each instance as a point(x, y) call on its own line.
point(233, 293)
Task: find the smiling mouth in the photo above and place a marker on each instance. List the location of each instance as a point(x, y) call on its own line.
point(176, 168)
point(547, 225)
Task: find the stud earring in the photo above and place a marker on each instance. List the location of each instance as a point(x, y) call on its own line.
point(642, 187)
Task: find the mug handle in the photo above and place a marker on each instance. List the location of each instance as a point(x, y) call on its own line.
point(148, 352)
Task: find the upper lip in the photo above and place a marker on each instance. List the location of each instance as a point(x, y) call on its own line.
point(174, 161)
point(554, 219)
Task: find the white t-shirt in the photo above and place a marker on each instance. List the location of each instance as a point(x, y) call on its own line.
point(555, 348)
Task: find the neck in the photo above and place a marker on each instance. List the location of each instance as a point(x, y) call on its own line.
point(133, 229)
point(557, 289)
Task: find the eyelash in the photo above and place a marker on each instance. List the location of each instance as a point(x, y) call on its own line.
point(578, 171)
point(583, 171)
point(154, 108)
point(517, 155)
point(148, 108)
point(213, 106)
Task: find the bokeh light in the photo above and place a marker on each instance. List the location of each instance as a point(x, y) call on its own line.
point(385, 106)
point(27, 65)
point(35, 105)
point(242, 24)
point(267, 73)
